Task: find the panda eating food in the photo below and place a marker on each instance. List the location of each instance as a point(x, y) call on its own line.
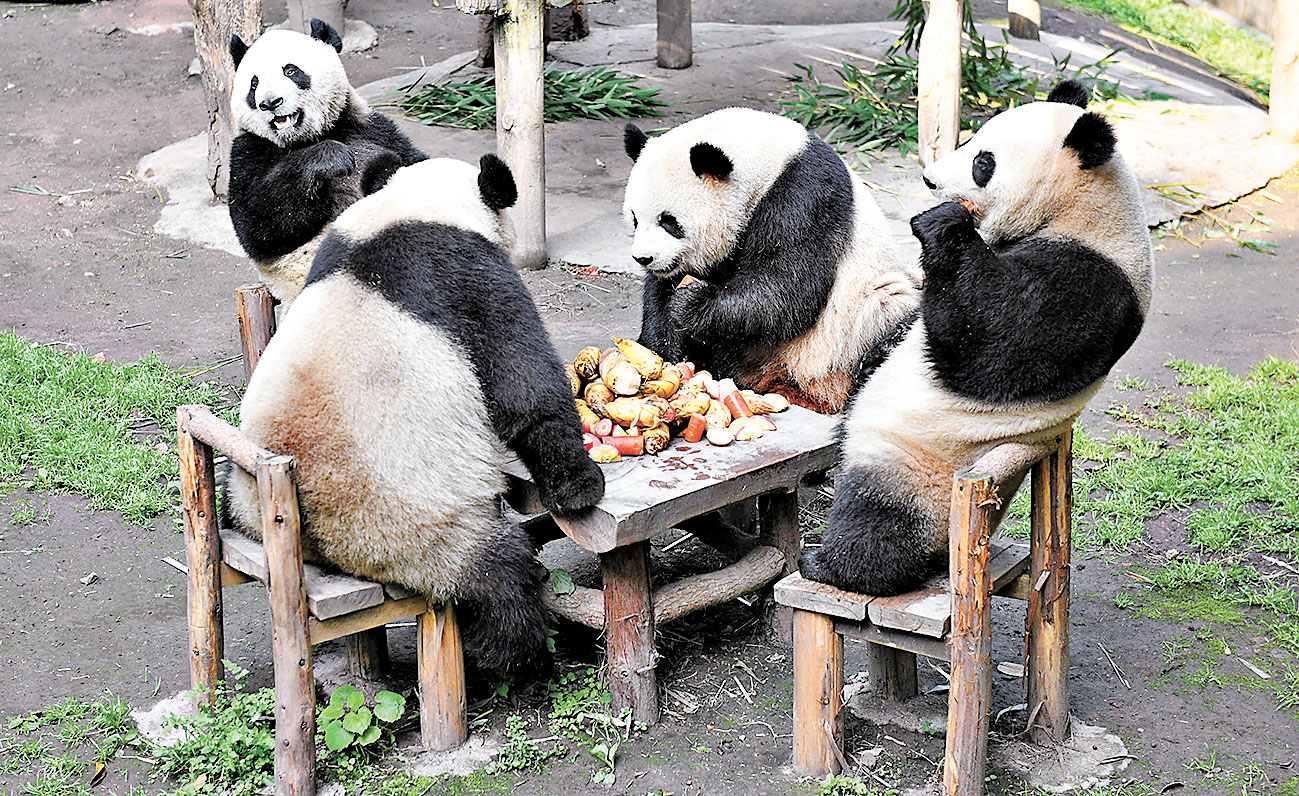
point(1037, 279)
point(306, 147)
point(767, 260)
point(410, 361)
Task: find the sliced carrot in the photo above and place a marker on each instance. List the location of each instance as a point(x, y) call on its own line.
point(695, 428)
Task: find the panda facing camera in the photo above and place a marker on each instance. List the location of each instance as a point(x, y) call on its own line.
point(1038, 269)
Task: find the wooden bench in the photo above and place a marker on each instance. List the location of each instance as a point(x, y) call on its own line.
point(949, 619)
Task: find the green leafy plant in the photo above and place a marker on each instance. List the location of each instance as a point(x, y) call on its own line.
point(600, 93)
point(845, 785)
point(347, 722)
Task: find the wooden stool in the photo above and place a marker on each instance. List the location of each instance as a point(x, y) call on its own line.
point(308, 605)
point(949, 622)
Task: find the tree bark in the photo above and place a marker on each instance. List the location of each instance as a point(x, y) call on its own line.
point(215, 21)
point(1283, 112)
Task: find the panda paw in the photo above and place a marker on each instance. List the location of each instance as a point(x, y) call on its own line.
point(686, 307)
point(940, 224)
point(574, 488)
point(330, 160)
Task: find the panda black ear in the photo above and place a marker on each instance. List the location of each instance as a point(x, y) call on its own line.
point(237, 49)
point(634, 140)
point(1093, 139)
point(496, 183)
point(709, 161)
point(323, 31)
point(1071, 92)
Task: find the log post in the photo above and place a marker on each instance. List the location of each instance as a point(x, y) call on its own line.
point(255, 314)
point(675, 35)
point(367, 653)
point(214, 22)
point(778, 528)
point(1048, 602)
point(818, 695)
point(938, 86)
point(970, 696)
point(1025, 18)
point(295, 692)
point(443, 715)
point(301, 12)
point(203, 552)
point(629, 631)
point(1283, 110)
point(892, 672)
point(520, 129)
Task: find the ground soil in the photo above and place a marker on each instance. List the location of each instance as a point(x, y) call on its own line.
point(82, 100)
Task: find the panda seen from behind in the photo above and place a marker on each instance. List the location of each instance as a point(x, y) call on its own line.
point(1031, 295)
point(412, 360)
point(306, 147)
point(794, 272)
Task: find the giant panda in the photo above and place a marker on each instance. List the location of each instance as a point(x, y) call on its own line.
point(1030, 297)
point(796, 274)
point(412, 360)
point(306, 147)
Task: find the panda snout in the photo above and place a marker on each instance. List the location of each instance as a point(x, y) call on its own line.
point(271, 103)
point(643, 259)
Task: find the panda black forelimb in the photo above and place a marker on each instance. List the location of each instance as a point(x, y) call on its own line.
point(274, 193)
point(769, 305)
point(656, 330)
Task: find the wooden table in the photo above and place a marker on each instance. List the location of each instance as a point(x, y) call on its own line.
point(648, 495)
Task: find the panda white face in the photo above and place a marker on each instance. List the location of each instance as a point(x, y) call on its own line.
point(289, 88)
point(673, 213)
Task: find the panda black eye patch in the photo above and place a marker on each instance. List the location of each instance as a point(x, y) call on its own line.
point(671, 226)
point(252, 93)
point(984, 165)
point(300, 78)
point(634, 222)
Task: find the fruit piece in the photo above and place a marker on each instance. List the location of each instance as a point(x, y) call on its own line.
point(574, 381)
point(718, 415)
point(713, 387)
point(745, 429)
point(727, 386)
point(619, 431)
point(763, 423)
point(646, 362)
point(686, 280)
point(628, 445)
point(587, 362)
point(687, 369)
point(604, 428)
point(605, 453)
point(967, 204)
point(778, 402)
point(657, 438)
point(589, 441)
point(736, 403)
point(618, 373)
point(584, 413)
point(720, 437)
point(597, 395)
point(634, 411)
point(695, 428)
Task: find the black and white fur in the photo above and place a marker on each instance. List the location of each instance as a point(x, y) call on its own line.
point(1029, 300)
point(798, 275)
point(412, 360)
point(306, 147)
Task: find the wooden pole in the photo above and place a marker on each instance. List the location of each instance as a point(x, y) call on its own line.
point(778, 528)
point(970, 694)
point(938, 87)
point(255, 314)
point(367, 653)
point(1048, 602)
point(295, 692)
point(1283, 112)
point(675, 34)
point(1025, 18)
point(892, 672)
point(818, 695)
point(214, 22)
point(629, 631)
point(520, 129)
point(443, 715)
point(203, 552)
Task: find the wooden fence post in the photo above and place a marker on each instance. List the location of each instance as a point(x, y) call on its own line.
point(938, 86)
point(214, 22)
point(520, 126)
point(255, 314)
point(675, 34)
point(1283, 112)
point(1025, 18)
point(203, 546)
point(1048, 602)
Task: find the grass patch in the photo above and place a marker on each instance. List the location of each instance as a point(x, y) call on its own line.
point(66, 749)
point(70, 421)
point(600, 93)
point(1238, 55)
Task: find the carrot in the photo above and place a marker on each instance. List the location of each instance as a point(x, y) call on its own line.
point(627, 446)
point(735, 402)
point(695, 428)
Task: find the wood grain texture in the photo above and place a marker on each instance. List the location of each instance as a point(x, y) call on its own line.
point(443, 711)
point(778, 529)
point(322, 630)
point(329, 593)
point(675, 34)
point(910, 642)
point(1025, 18)
point(215, 21)
point(367, 653)
point(295, 692)
point(199, 422)
point(818, 694)
point(892, 672)
point(629, 632)
point(938, 80)
point(520, 131)
point(1048, 606)
point(203, 553)
point(255, 316)
point(797, 591)
point(1283, 112)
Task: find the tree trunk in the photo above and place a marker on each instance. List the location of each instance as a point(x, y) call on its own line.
point(215, 21)
point(1284, 110)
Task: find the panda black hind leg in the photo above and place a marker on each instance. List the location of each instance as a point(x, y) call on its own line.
point(503, 620)
point(875, 542)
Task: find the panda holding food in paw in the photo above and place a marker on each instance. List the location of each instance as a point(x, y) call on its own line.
point(306, 147)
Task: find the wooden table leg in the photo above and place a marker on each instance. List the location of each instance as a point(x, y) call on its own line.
point(818, 695)
point(892, 672)
point(367, 653)
point(1048, 604)
point(203, 551)
point(778, 523)
point(629, 631)
point(443, 716)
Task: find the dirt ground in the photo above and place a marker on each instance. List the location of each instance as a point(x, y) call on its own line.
point(82, 100)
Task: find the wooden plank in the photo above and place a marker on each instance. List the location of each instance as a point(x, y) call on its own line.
point(926, 611)
point(520, 131)
point(329, 594)
point(675, 34)
point(391, 611)
point(255, 314)
point(920, 645)
point(629, 632)
point(1025, 18)
point(818, 695)
point(203, 552)
point(233, 577)
point(223, 437)
point(1283, 110)
point(798, 592)
point(1048, 602)
point(938, 80)
point(1019, 588)
point(443, 711)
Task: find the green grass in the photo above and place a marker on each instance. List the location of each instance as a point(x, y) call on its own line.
point(59, 749)
point(600, 93)
point(66, 424)
point(1239, 55)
